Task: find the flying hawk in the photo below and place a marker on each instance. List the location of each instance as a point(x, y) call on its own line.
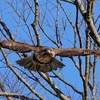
point(43, 59)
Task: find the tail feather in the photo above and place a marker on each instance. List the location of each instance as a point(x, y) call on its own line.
point(55, 64)
point(58, 63)
point(31, 64)
point(27, 62)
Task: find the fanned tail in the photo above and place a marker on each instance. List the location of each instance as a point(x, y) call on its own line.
point(30, 63)
point(27, 62)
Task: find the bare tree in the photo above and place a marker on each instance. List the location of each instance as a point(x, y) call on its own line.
point(70, 27)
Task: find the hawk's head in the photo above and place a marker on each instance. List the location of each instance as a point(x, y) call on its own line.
point(45, 55)
point(47, 51)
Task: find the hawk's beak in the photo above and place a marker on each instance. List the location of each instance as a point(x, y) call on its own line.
point(48, 51)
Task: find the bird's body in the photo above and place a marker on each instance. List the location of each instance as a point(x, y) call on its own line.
point(43, 60)
point(45, 55)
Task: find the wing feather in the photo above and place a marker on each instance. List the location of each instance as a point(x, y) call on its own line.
point(18, 46)
point(68, 52)
point(27, 62)
point(31, 64)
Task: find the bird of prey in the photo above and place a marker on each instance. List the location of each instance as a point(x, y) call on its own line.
point(43, 59)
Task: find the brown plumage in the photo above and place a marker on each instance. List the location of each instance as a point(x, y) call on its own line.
point(42, 60)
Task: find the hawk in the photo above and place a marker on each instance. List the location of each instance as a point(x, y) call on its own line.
point(43, 59)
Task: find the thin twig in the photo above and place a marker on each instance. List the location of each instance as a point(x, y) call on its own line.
point(20, 77)
point(35, 23)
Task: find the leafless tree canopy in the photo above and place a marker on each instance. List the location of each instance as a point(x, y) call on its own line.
point(70, 28)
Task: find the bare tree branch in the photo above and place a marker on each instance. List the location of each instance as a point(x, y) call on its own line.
point(62, 25)
point(81, 73)
point(54, 87)
point(69, 1)
point(6, 29)
point(3, 90)
point(67, 83)
point(90, 9)
point(19, 77)
point(35, 23)
point(89, 22)
point(21, 97)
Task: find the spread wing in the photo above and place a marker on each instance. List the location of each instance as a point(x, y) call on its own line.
point(30, 63)
point(68, 52)
point(18, 47)
point(64, 52)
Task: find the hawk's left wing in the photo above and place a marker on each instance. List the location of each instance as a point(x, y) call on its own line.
point(68, 52)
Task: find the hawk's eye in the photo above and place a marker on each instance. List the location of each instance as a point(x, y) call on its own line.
point(45, 50)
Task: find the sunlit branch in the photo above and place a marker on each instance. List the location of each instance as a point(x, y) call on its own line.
point(4, 90)
point(20, 77)
point(89, 21)
point(54, 87)
point(35, 23)
point(67, 83)
point(13, 95)
point(6, 29)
